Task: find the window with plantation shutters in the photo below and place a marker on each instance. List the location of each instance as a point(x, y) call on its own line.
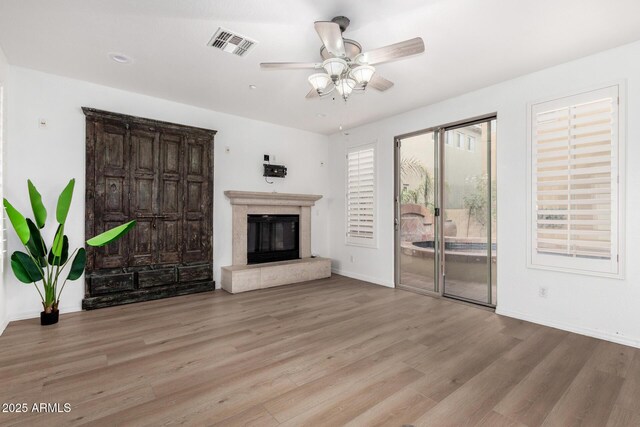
point(575, 174)
point(360, 198)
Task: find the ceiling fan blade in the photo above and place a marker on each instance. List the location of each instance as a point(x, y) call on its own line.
point(393, 52)
point(289, 65)
point(379, 83)
point(312, 94)
point(331, 37)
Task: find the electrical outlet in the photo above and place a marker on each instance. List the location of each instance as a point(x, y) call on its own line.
point(542, 292)
point(42, 123)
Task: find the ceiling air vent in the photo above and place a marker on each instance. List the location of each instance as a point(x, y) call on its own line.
point(231, 42)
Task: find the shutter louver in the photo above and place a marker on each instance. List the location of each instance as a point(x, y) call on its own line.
point(574, 178)
point(361, 195)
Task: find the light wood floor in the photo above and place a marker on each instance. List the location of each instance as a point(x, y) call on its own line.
point(332, 352)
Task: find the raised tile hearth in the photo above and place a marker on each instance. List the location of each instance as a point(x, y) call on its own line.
point(260, 276)
point(240, 276)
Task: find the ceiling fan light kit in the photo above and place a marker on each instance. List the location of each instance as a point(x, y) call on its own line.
point(345, 86)
point(321, 82)
point(362, 74)
point(347, 68)
point(335, 67)
point(340, 76)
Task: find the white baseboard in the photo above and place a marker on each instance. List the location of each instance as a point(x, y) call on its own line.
point(35, 314)
point(363, 277)
point(594, 333)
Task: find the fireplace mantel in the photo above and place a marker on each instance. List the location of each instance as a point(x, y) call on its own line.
point(241, 277)
point(245, 203)
point(271, 199)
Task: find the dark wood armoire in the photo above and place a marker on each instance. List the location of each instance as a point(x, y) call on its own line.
point(161, 175)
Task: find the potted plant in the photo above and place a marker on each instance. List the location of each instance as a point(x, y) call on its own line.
point(37, 264)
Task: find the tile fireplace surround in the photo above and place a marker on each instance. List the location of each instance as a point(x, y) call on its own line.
point(241, 277)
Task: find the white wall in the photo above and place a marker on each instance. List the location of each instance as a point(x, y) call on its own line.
point(606, 308)
point(51, 156)
point(4, 74)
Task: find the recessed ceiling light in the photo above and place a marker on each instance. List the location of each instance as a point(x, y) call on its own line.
point(120, 58)
point(252, 87)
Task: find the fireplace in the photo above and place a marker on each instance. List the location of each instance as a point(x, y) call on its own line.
point(272, 238)
point(267, 227)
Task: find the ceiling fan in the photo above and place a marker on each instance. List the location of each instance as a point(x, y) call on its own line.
point(345, 68)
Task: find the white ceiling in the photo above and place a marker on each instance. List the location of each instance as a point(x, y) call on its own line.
point(469, 44)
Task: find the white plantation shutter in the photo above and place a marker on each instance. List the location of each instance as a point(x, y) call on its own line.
point(575, 182)
point(360, 200)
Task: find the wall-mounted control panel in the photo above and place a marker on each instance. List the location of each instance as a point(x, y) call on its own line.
point(277, 171)
point(274, 171)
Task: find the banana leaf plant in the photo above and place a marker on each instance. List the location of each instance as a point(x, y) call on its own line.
point(39, 264)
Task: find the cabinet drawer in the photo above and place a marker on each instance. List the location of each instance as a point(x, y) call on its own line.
point(111, 283)
point(151, 278)
point(194, 273)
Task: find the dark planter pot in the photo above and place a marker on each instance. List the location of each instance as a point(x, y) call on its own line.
point(49, 318)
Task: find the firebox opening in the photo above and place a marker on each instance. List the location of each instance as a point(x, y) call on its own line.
point(272, 238)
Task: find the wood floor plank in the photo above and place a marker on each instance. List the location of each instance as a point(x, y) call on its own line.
point(534, 397)
point(365, 344)
point(588, 401)
point(537, 346)
point(494, 419)
point(401, 408)
point(628, 397)
point(328, 352)
point(345, 406)
point(473, 401)
point(256, 416)
point(622, 417)
point(449, 368)
point(515, 327)
point(612, 358)
point(96, 408)
point(309, 395)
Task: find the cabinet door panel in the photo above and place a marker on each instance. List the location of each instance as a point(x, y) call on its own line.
point(197, 224)
point(111, 190)
point(170, 220)
point(143, 196)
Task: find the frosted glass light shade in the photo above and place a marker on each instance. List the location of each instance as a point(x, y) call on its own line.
point(320, 82)
point(345, 87)
point(362, 74)
point(335, 67)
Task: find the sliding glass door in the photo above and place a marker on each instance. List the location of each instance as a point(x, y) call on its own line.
point(446, 211)
point(416, 222)
point(469, 256)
